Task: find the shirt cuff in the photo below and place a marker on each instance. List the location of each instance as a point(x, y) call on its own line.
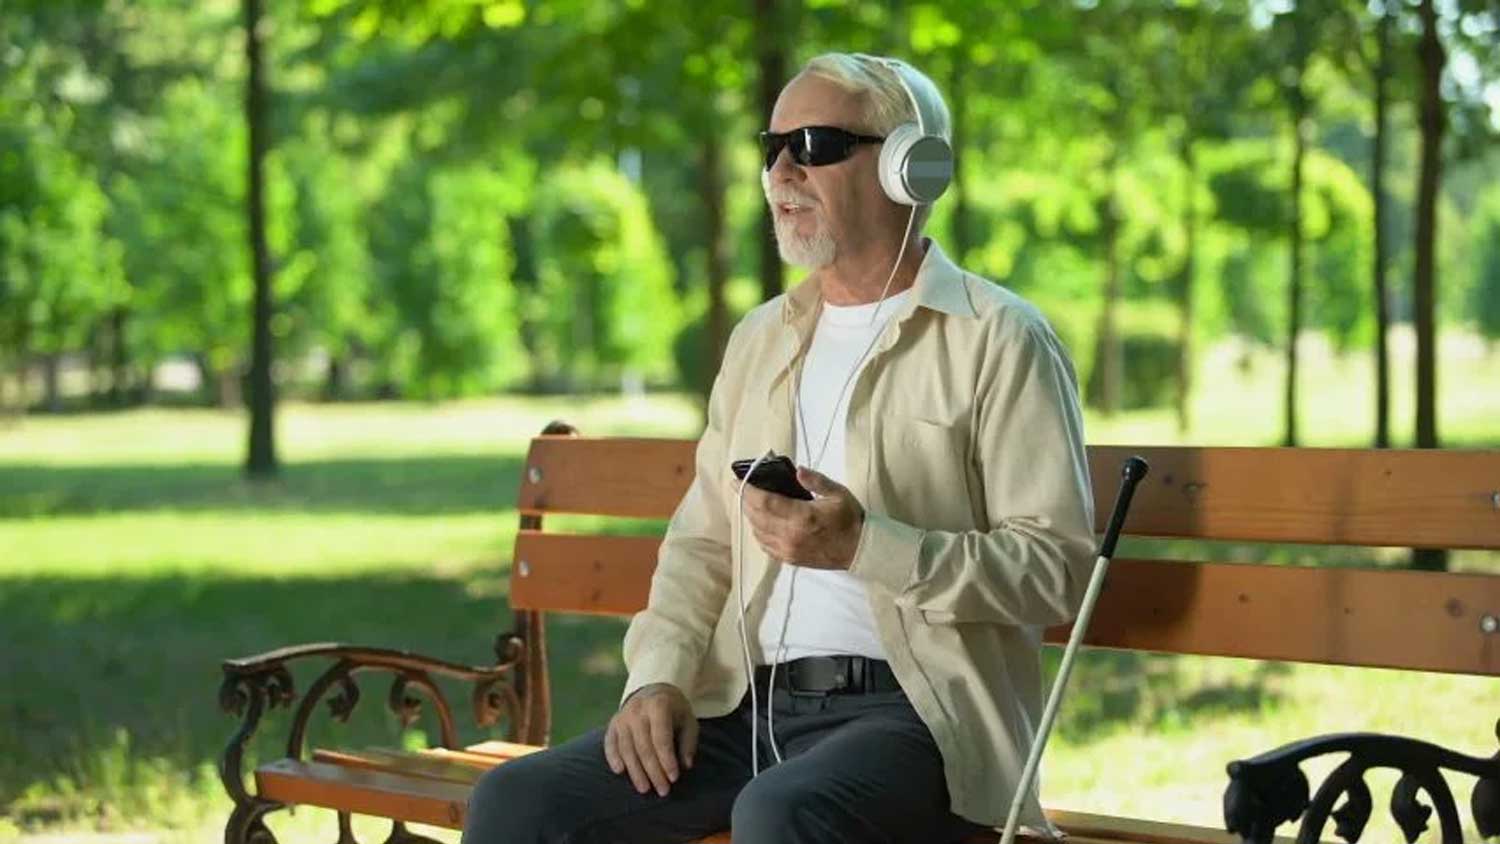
point(670, 665)
point(888, 552)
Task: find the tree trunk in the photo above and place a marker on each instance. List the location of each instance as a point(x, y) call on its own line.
point(94, 353)
point(145, 384)
point(52, 382)
point(336, 379)
point(119, 358)
point(1294, 282)
point(229, 386)
point(260, 462)
point(208, 379)
point(963, 224)
point(1109, 360)
point(1377, 191)
point(1185, 294)
point(771, 58)
point(524, 277)
point(711, 191)
point(1425, 286)
point(1430, 51)
point(23, 367)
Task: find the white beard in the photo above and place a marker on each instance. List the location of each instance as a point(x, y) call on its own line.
point(811, 251)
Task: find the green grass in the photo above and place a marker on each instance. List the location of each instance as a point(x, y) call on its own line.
point(133, 558)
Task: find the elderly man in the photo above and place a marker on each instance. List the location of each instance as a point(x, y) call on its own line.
point(862, 666)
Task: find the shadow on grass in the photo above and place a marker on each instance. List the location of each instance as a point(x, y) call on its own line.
point(110, 681)
point(408, 486)
point(1111, 689)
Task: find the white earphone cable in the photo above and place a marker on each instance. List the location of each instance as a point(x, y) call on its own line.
point(739, 582)
point(815, 462)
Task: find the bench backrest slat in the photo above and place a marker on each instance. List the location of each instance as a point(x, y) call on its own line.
point(1437, 499)
point(1340, 616)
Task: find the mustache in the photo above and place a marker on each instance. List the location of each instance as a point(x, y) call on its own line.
point(781, 194)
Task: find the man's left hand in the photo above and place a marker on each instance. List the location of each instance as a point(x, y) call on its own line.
point(822, 533)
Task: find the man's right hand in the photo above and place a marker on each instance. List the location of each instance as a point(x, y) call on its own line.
point(647, 736)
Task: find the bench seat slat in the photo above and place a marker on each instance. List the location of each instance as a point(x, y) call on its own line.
point(345, 784)
point(423, 763)
point(1386, 497)
point(1338, 616)
point(364, 792)
point(501, 749)
point(437, 763)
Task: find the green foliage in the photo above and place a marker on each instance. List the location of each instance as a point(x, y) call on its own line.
point(448, 322)
point(58, 270)
point(1337, 210)
point(1148, 341)
point(182, 223)
point(407, 247)
point(1249, 184)
point(1485, 288)
point(607, 304)
point(1250, 277)
point(323, 288)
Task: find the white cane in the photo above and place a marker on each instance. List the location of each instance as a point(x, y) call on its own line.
point(1134, 470)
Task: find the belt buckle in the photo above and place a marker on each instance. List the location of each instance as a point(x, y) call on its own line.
point(840, 677)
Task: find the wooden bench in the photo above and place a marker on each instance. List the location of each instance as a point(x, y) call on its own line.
point(1423, 621)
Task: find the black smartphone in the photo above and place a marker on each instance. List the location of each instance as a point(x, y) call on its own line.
point(775, 474)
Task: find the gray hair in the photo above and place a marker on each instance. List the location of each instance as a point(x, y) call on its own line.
point(887, 104)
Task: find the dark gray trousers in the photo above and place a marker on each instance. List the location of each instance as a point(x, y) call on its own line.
point(859, 768)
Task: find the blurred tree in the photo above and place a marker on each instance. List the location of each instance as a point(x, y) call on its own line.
point(1205, 73)
point(1381, 67)
point(692, 81)
point(1101, 95)
point(775, 28)
point(450, 324)
point(323, 287)
point(1109, 162)
point(81, 76)
point(1246, 178)
point(1337, 208)
point(58, 270)
point(1432, 58)
point(260, 458)
point(1296, 33)
point(194, 296)
point(609, 310)
point(1485, 289)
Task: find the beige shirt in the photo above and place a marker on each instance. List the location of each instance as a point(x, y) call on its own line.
point(965, 446)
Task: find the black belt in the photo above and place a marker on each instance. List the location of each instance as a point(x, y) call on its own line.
point(831, 675)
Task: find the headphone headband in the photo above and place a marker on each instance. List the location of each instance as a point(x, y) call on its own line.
point(916, 163)
point(904, 74)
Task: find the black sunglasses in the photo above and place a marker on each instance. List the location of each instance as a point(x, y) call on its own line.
point(813, 146)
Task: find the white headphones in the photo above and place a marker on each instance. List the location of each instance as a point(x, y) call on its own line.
point(915, 166)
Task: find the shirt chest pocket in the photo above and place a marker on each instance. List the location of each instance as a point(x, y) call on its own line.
point(923, 470)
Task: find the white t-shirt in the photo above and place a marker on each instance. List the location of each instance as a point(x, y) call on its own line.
point(830, 610)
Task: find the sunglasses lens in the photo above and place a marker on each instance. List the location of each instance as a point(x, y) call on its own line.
point(770, 145)
point(810, 146)
point(817, 147)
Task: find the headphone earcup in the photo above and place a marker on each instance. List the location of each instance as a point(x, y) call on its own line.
point(915, 169)
point(898, 142)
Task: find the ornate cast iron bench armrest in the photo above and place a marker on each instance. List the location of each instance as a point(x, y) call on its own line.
point(1270, 789)
point(254, 684)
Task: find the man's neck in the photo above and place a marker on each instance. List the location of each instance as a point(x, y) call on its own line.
point(859, 279)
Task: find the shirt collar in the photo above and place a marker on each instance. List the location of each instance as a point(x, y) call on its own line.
point(939, 286)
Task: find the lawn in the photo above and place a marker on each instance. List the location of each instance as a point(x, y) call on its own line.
point(133, 558)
